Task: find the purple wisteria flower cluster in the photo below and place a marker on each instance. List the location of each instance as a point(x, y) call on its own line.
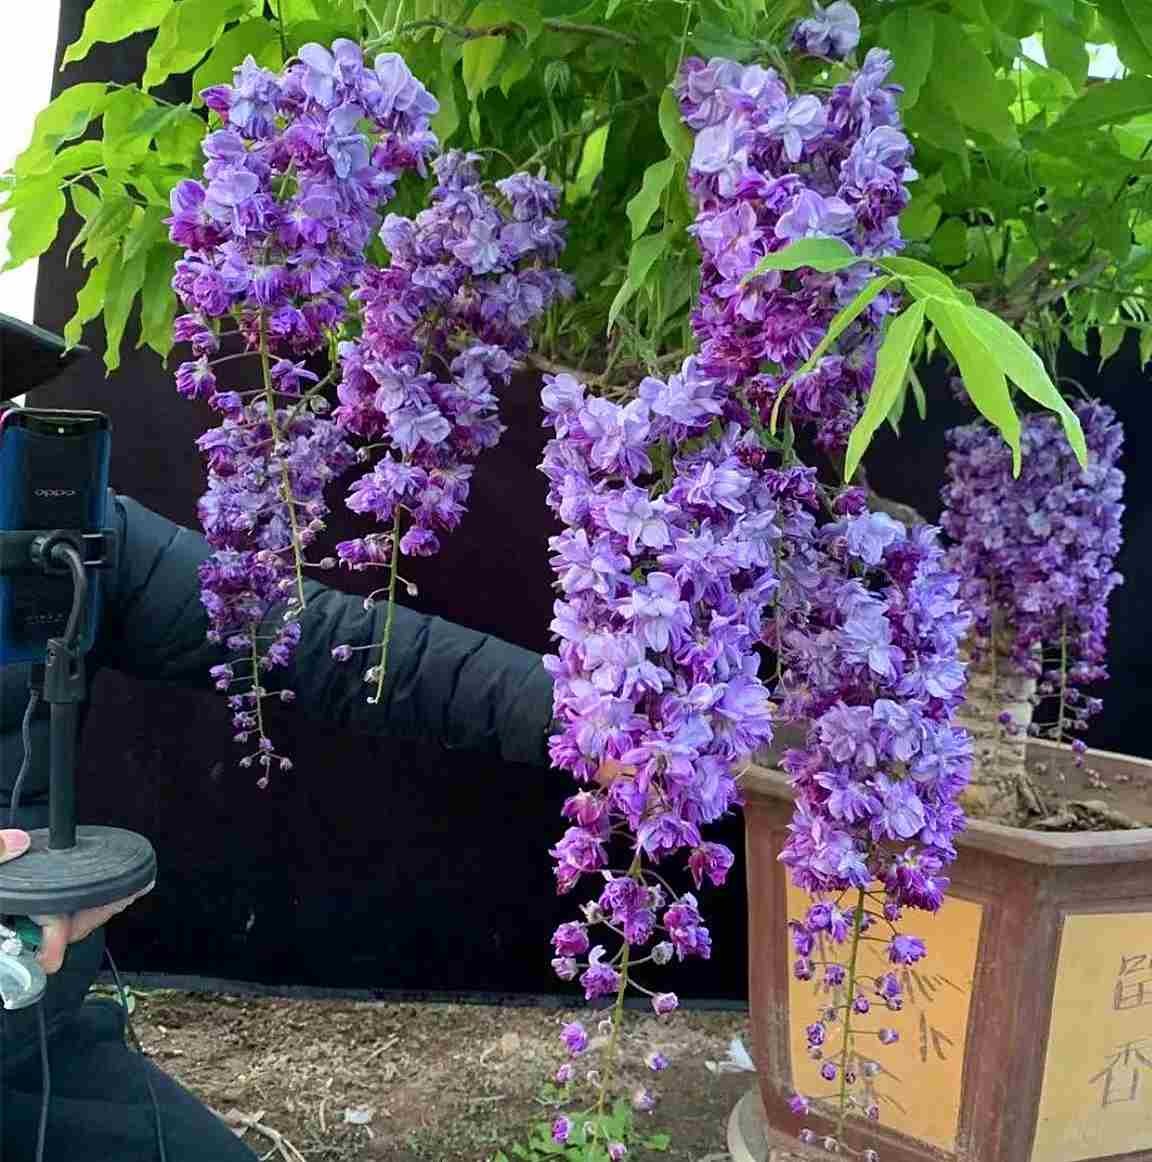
point(662, 599)
point(768, 168)
point(443, 326)
point(870, 625)
point(693, 536)
point(276, 235)
point(1037, 552)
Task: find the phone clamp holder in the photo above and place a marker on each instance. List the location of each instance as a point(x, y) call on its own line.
point(68, 868)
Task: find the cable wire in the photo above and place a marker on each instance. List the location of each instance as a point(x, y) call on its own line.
point(161, 1152)
point(26, 764)
point(46, 1081)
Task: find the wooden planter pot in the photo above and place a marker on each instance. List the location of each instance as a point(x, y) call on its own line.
point(1026, 1034)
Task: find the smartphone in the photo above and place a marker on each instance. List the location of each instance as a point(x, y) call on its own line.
point(53, 475)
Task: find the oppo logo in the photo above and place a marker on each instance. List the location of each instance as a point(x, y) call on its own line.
point(55, 493)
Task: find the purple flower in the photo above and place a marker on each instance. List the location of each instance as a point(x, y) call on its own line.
point(713, 860)
point(570, 940)
point(905, 949)
point(664, 1003)
point(829, 32)
point(575, 1038)
point(814, 216)
point(561, 1129)
point(599, 979)
point(657, 1062)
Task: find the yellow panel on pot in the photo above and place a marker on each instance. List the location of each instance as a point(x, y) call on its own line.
point(1097, 1095)
point(919, 1086)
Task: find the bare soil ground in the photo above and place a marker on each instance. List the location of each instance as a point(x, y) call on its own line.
point(429, 1082)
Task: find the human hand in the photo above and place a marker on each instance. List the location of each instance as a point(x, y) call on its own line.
point(57, 932)
point(13, 843)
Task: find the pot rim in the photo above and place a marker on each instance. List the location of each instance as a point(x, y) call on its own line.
point(1059, 849)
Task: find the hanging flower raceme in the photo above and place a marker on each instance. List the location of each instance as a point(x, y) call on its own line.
point(274, 237)
point(1037, 552)
point(768, 168)
point(692, 535)
point(665, 567)
point(443, 326)
point(865, 620)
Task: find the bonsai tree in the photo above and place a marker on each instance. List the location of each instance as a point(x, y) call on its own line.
point(702, 355)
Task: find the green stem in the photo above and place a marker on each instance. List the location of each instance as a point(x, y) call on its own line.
point(1063, 679)
point(611, 1050)
point(254, 634)
point(286, 494)
point(846, 1047)
point(390, 614)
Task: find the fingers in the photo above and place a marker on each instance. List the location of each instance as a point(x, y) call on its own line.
point(86, 922)
point(55, 936)
point(13, 844)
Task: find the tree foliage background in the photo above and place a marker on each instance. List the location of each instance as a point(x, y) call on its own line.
point(1035, 185)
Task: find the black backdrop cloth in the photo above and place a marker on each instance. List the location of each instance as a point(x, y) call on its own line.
point(394, 867)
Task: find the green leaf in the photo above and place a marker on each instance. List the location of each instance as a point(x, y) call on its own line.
point(104, 228)
point(646, 202)
point(186, 34)
point(37, 206)
point(982, 376)
point(256, 38)
point(644, 253)
point(950, 243)
point(158, 300)
point(447, 120)
point(1111, 103)
point(482, 54)
point(148, 233)
point(63, 119)
point(658, 1142)
point(823, 254)
point(964, 77)
point(118, 305)
point(844, 318)
point(918, 393)
point(1130, 25)
point(518, 64)
point(110, 21)
point(124, 144)
point(1026, 370)
point(920, 278)
point(1065, 50)
point(908, 34)
point(1111, 338)
point(919, 218)
point(676, 133)
point(90, 299)
point(73, 159)
point(623, 298)
point(591, 164)
point(891, 370)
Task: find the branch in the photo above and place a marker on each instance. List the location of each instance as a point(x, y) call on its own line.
point(512, 28)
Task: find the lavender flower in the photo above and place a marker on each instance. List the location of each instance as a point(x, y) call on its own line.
point(1037, 552)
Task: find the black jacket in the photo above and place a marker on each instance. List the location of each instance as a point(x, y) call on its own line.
point(445, 683)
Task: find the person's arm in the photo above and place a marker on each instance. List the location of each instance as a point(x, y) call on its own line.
point(445, 683)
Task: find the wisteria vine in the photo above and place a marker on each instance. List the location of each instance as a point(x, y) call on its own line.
point(693, 536)
point(277, 238)
point(1037, 554)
